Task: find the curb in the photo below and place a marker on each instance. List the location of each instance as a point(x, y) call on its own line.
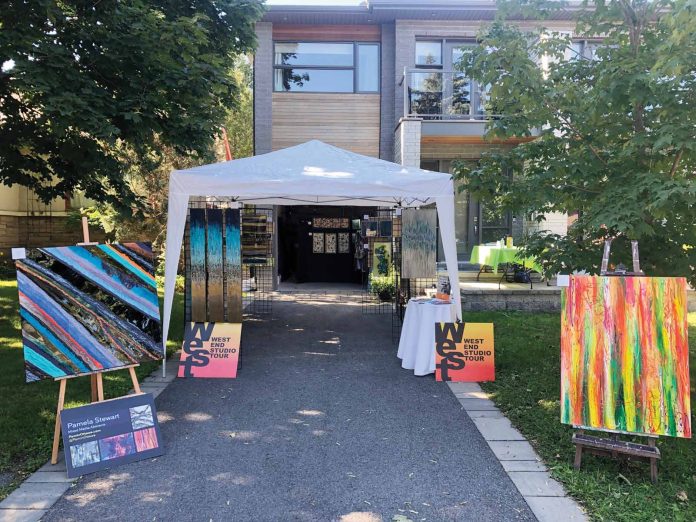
point(545, 496)
point(30, 501)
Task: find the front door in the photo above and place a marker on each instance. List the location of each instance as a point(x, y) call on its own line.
point(317, 244)
point(487, 223)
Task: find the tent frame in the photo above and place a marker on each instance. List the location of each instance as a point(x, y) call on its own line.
point(295, 169)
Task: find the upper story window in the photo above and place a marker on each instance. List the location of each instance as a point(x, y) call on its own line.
point(429, 53)
point(326, 67)
point(437, 88)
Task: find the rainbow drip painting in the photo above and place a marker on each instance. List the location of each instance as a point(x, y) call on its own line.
point(625, 355)
point(88, 308)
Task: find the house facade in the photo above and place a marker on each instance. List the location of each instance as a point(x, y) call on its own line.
point(380, 79)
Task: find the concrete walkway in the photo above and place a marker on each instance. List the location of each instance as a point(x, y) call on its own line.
point(321, 424)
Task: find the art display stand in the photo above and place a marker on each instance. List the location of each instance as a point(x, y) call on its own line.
point(96, 396)
point(612, 446)
point(96, 381)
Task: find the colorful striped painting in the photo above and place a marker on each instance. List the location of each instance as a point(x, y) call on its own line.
point(625, 355)
point(233, 265)
point(88, 308)
point(197, 272)
point(214, 266)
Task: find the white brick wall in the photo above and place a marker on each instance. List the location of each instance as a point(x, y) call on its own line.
point(554, 222)
point(407, 142)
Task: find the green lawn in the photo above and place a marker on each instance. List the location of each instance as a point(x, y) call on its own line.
point(527, 390)
point(28, 411)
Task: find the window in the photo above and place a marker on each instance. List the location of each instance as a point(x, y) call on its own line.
point(368, 68)
point(428, 53)
point(438, 87)
point(584, 49)
point(326, 67)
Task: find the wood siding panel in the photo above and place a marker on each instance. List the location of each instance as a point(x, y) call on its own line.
point(349, 121)
point(327, 33)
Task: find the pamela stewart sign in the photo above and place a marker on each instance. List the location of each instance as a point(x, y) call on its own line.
point(464, 352)
point(105, 434)
point(210, 350)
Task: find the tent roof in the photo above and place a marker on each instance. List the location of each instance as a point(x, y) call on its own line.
point(313, 173)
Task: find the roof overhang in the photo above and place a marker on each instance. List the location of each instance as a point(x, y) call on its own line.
point(386, 11)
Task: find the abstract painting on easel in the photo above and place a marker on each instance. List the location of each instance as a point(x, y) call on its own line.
point(88, 308)
point(625, 355)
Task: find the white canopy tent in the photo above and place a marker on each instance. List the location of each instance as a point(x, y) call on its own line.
point(313, 173)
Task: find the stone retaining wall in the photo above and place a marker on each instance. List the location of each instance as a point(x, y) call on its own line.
point(547, 300)
point(39, 231)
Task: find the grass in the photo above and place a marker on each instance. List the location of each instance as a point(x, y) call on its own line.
point(28, 411)
point(527, 390)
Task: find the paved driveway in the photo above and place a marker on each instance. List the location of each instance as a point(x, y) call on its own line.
point(322, 424)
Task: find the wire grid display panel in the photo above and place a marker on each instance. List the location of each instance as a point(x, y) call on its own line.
point(371, 303)
point(406, 288)
point(257, 259)
point(257, 278)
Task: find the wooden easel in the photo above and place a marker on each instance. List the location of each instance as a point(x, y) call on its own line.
point(97, 384)
point(97, 396)
point(611, 446)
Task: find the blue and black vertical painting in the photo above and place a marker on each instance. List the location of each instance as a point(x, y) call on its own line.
point(88, 308)
point(214, 262)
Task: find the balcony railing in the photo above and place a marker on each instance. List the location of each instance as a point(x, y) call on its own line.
point(434, 94)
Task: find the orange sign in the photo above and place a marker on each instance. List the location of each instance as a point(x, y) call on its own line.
point(464, 352)
point(210, 350)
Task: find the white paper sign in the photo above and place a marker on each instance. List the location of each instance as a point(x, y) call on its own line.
point(19, 253)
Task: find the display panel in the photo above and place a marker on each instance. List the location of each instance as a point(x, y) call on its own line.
point(110, 433)
point(419, 243)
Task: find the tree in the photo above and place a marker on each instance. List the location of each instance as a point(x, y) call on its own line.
point(87, 89)
point(239, 122)
point(613, 133)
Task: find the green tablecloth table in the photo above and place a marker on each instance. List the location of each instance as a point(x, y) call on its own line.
point(493, 256)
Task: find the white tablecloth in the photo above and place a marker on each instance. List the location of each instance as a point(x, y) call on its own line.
point(417, 342)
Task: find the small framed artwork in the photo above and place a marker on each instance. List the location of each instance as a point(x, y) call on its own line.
point(385, 228)
point(330, 243)
point(344, 243)
point(318, 242)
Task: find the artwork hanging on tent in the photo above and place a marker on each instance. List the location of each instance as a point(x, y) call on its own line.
point(625, 355)
point(325, 222)
point(318, 242)
point(214, 265)
point(196, 274)
point(331, 243)
point(344, 243)
point(86, 309)
point(418, 243)
point(385, 228)
point(257, 232)
point(370, 227)
point(381, 259)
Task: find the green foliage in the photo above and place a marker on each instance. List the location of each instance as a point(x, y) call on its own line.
point(95, 90)
point(240, 120)
point(614, 135)
point(383, 286)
